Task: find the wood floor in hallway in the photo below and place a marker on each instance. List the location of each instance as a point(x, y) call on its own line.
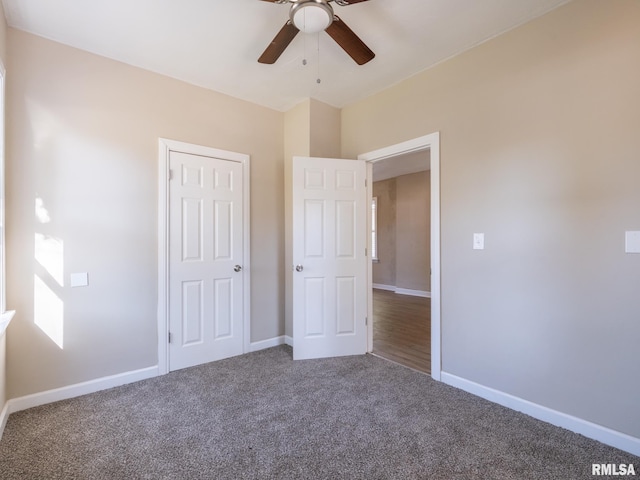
point(402, 329)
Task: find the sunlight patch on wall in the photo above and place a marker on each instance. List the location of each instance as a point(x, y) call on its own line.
point(48, 311)
point(41, 213)
point(49, 253)
point(48, 307)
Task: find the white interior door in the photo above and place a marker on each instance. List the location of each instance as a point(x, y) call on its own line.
point(205, 259)
point(329, 255)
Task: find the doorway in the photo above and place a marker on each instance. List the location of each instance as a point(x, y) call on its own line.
point(401, 260)
point(428, 145)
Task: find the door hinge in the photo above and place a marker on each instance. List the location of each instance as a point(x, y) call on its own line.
point(365, 182)
point(169, 337)
point(365, 251)
point(170, 174)
point(366, 320)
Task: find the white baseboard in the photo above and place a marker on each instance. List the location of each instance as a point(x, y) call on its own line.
point(414, 293)
point(63, 393)
point(71, 391)
point(402, 291)
point(381, 286)
point(270, 342)
point(583, 427)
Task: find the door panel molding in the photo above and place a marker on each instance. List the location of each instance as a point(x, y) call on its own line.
point(165, 147)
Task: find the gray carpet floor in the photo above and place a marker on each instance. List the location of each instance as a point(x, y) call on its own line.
point(263, 416)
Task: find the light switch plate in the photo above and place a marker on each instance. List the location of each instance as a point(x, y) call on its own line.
point(478, 241)
point(79, 279)
point(632, 242)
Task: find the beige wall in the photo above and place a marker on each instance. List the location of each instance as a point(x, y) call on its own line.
point(539, 150)
point(325, 129)
point(413, 239)
point(404, 237)
point(3, 56)
point(3, 35)
point(83, 140)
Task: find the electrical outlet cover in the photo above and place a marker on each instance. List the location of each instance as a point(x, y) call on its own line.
point(79, 279)
point(632, 242)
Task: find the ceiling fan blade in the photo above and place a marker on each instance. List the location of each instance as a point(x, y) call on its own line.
point(279, 43)
point(344, 3)
point(349, 41)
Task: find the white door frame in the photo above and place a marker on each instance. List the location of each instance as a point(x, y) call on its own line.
point(429, 142)
point(165, 147)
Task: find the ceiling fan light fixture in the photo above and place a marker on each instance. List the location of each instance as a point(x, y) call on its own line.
point(311, 16)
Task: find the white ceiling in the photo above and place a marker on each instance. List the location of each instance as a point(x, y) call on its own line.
point(405, 164)
point(215, 43)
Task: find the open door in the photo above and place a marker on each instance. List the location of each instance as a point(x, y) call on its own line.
point(329, 257)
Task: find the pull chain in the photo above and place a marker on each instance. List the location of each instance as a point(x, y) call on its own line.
point(304, 57)
point(318, 44)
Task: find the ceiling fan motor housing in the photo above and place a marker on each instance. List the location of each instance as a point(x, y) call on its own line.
point(314, 16)
point(311, 16)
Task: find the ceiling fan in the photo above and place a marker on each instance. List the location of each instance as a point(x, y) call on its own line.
point(312, 16)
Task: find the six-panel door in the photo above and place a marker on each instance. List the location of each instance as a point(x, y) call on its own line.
point(329, 244)
point(205, 259)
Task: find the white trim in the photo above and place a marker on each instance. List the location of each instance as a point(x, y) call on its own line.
point(78, 389)
point(413, 293)
point(583, 427)
point(402, 291)
point(3, 141)
point(163, 255)
point(414, 145)
point(5, 319)
point(436, 359)
point(374, 231)
point(369, 183)
point(165, 147)
point(429, 142)
point(382, 286)
point(288, 340)
point(268, 343)
point(4, 416)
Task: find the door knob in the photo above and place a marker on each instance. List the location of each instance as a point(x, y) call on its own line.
point(299, 268)
point(237, 268)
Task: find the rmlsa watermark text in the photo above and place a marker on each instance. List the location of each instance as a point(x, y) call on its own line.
point(613, 469)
